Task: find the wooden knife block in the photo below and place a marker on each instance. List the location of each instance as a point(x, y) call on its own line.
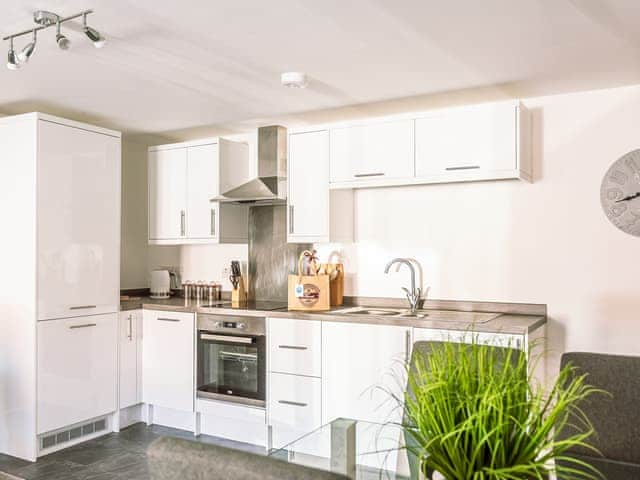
point(239, 295)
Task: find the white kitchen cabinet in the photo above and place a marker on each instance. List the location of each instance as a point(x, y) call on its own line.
point(362, 368)
point(60, 204)
point(202, 185)
point(294, 407)
point(167, 194)
point(168, 359)
point(473, 143)
point(78, 221)
point(315, 213)
point(371, 152)
point(295, 346)
point(183, 178)
point(130, 358)
point(77, 370)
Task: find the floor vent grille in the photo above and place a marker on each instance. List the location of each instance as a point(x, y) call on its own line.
point(74, 433)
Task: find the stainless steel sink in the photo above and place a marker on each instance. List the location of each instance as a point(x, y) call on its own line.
point(433, 315)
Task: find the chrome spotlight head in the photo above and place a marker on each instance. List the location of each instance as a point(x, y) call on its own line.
point(12, 59)
point(93, 35)
point(26, 53)
point(63, 42)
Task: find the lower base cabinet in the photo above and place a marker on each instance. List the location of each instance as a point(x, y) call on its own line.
point(168, 359)
point(77, 370)
point(362, 371)
point(294, 407)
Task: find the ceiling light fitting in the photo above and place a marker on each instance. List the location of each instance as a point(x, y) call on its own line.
point(45, 20)
point(294, 79)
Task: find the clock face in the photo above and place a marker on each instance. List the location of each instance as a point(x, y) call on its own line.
point(620, 193)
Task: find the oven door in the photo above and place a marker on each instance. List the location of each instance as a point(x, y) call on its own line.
point(232, 367)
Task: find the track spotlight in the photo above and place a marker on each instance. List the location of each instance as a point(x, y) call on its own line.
point(45, 19)
point(12, 58)
point(63, 42)
point(95, 36)
point(27, 51)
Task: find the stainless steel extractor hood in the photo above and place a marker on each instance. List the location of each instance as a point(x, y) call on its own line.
point(270, 186)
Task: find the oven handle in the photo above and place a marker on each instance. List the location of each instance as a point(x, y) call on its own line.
point(226, 338)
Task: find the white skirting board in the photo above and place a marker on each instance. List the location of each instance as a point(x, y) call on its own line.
point(220, 419)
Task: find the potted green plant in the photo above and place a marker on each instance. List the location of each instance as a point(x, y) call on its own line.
point(471, 412)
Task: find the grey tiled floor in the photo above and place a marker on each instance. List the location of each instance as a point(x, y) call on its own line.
point(116, 456)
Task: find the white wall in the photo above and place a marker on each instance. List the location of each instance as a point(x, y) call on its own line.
point(546, 242)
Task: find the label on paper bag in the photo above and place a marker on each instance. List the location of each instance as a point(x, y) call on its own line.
point(299, 290)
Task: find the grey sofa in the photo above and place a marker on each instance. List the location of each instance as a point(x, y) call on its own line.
point(179, 459)
point(615, 418)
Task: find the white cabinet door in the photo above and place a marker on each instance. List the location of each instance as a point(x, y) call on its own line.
point(77, 370)
point(294, 407)
point(362, 367)
point(129, 357)
point(457, 336)
point(168, 359)
point(467, 141)
point(202, 185)
point(295, 346)
point(375, 151)
point(167, 194)
point(308, 213)
point(78, 222)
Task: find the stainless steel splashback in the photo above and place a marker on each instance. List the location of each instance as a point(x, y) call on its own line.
point(271, 258)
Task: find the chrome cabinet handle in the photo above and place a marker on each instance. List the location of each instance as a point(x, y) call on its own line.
point(182, 223)
point(82, 307)
point(160, 319)
point(84, 325)
point(295, 404)
point(213, 222)
point(291, 219)
point(360, 175)
point(130, 335)
point(468, 167)
point(291, 347)
point(407, 345)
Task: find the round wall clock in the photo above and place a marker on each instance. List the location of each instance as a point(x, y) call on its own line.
point(620, 193)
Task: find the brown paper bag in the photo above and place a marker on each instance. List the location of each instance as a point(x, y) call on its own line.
point(308, 292)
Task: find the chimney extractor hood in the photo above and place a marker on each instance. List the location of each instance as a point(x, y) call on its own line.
point(270, 187)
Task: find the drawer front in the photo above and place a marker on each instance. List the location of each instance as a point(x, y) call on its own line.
point(294, 407)
point(295, 346)
point(77, 370)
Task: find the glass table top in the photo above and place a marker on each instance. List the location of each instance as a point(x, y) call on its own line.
point(358, 449)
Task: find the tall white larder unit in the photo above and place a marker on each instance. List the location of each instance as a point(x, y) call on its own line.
point(59, 287)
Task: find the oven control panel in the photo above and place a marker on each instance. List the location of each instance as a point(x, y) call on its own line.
point(224, 323)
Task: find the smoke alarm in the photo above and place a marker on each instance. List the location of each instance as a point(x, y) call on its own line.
point(294, 79)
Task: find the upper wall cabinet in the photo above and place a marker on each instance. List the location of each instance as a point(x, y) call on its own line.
point(183, 178)
point(480, 142)
point(372, 153)
point(315, 214)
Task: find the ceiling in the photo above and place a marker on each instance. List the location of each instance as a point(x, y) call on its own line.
point(171, 66)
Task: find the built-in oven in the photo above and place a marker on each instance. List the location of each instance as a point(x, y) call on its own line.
point(231, 364)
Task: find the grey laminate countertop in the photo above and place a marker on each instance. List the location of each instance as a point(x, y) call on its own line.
point(506, 323)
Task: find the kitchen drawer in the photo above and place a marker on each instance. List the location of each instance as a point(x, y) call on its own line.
point(294, 407)
point(295, 346)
